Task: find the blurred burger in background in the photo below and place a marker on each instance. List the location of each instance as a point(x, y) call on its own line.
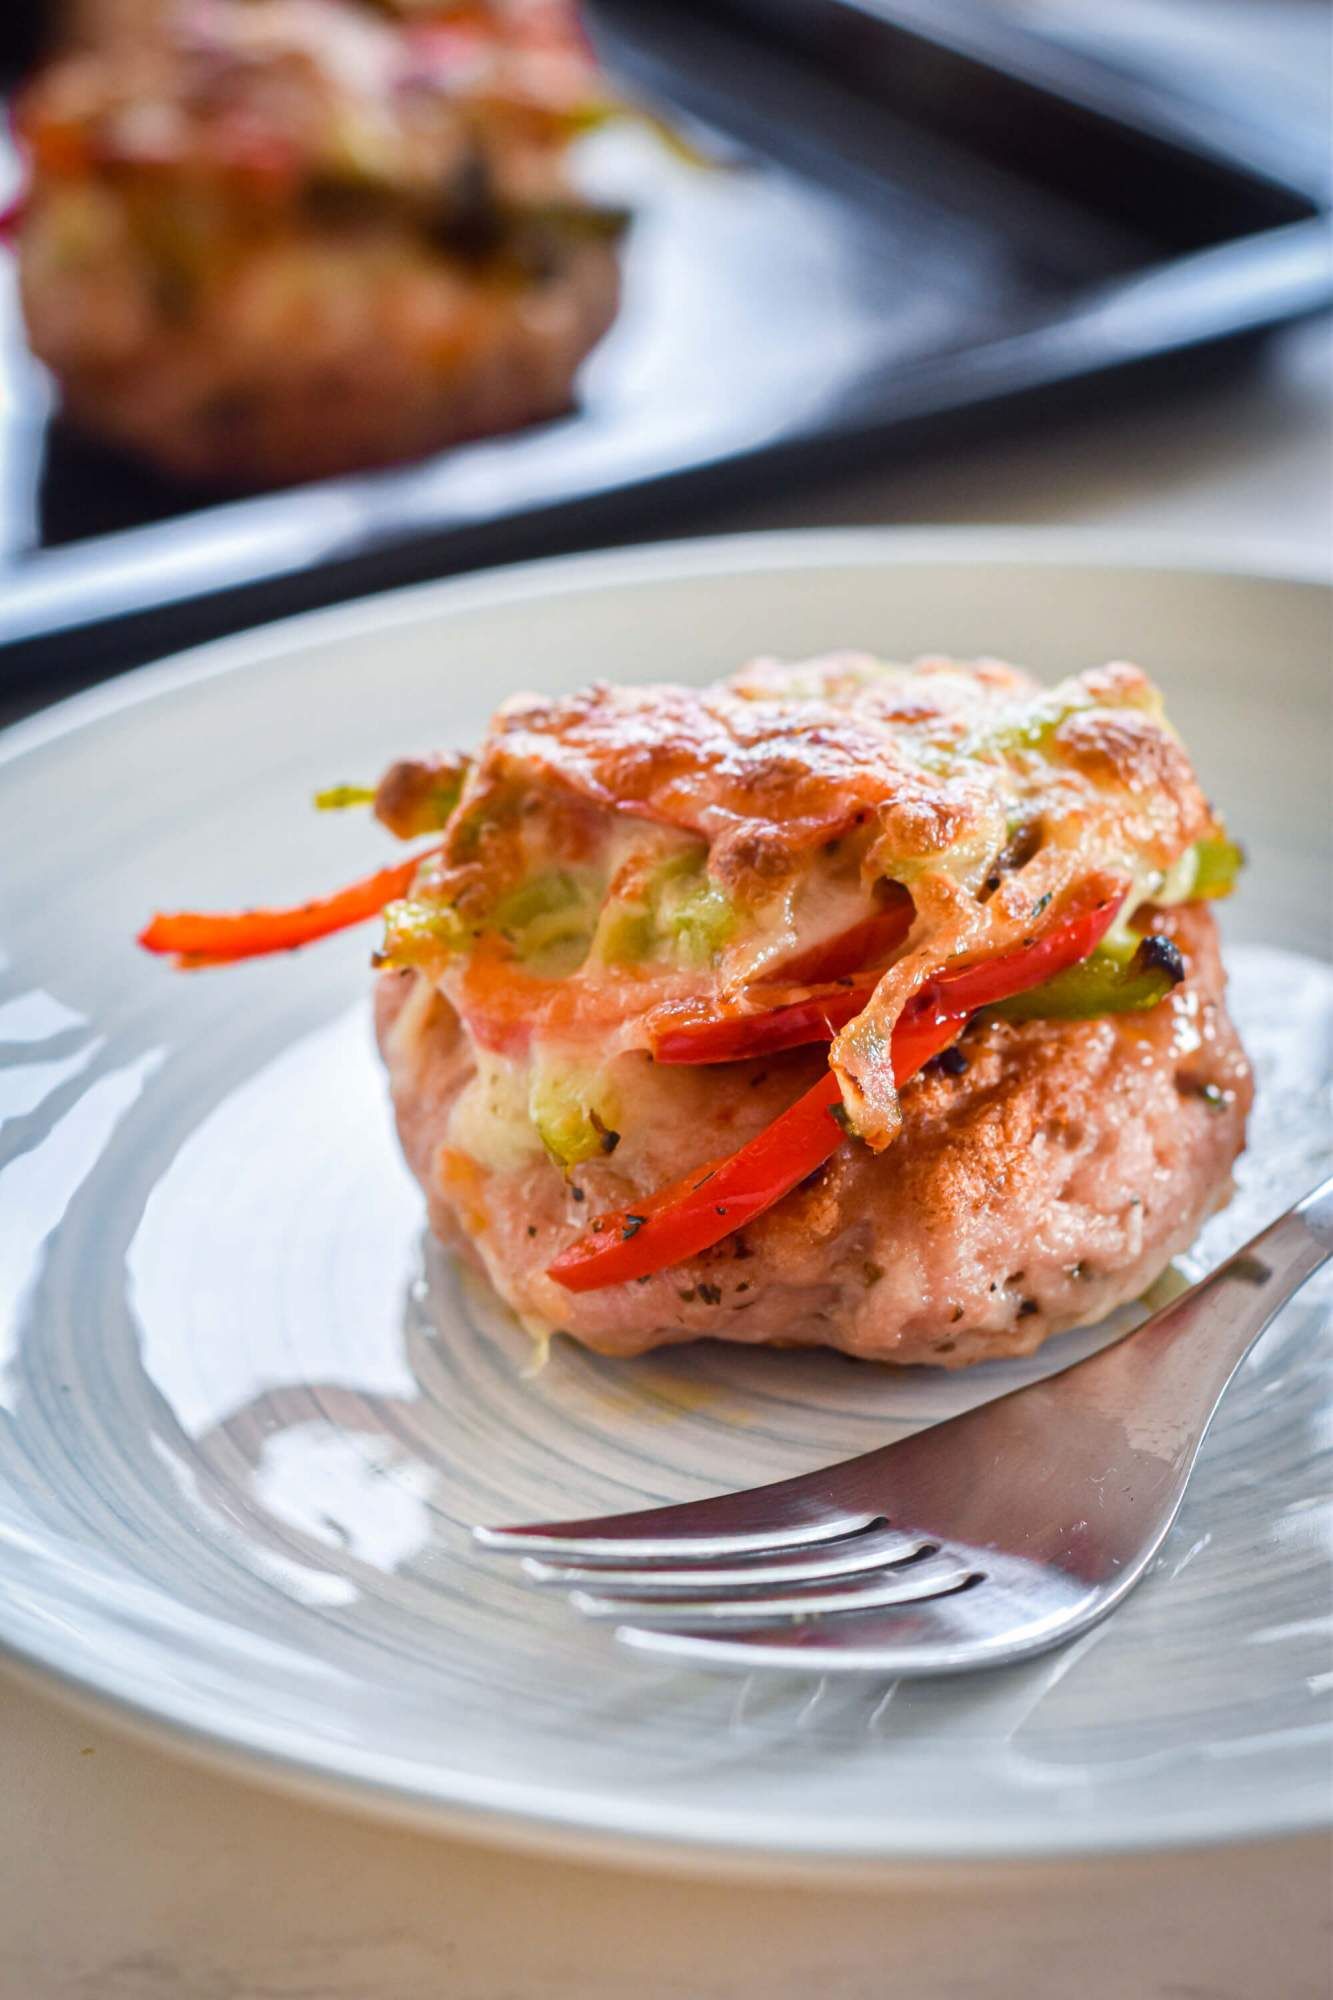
point(101, 21)
point(268, 240)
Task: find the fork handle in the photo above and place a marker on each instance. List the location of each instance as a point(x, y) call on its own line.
point(1169, 1376)
point(1110, 1442)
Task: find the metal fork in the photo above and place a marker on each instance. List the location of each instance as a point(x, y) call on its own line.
point(973, 1543)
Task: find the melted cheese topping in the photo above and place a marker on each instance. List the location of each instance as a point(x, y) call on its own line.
point(801, 790)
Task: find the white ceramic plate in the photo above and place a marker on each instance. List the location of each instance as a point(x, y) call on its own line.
point(246, 1414)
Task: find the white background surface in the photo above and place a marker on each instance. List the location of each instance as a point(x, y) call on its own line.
point(128, 1875)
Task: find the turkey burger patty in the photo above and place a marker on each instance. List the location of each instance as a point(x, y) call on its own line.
point(838, 1003)
point(1044, 1174)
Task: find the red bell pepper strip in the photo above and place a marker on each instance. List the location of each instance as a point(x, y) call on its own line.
point(966, 989)
point(196, 938)
point(505, 1005)
point(852, 951)
point(688, 1035)
point(715, 1038)
point(683, 1037)
point(715, 1200)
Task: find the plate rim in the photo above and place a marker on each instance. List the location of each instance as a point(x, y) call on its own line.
point(1257, 559)
point(564, 1835)
point(559, 1823)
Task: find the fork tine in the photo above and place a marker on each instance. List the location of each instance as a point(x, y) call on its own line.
point(850, 1555)
point(900, 1644)
point(931, 1577)
point(588, 1540)
point(995, 1621)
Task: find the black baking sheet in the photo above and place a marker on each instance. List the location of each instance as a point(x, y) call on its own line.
point(920, 215)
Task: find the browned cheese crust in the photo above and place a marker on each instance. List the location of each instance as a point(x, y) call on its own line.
point(812, 782)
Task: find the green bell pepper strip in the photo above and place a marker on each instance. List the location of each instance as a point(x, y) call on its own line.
point(1124, 980)
point(1217, 863)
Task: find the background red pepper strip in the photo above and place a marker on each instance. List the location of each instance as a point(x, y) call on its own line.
point(681, 1220)
point(197, 938)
